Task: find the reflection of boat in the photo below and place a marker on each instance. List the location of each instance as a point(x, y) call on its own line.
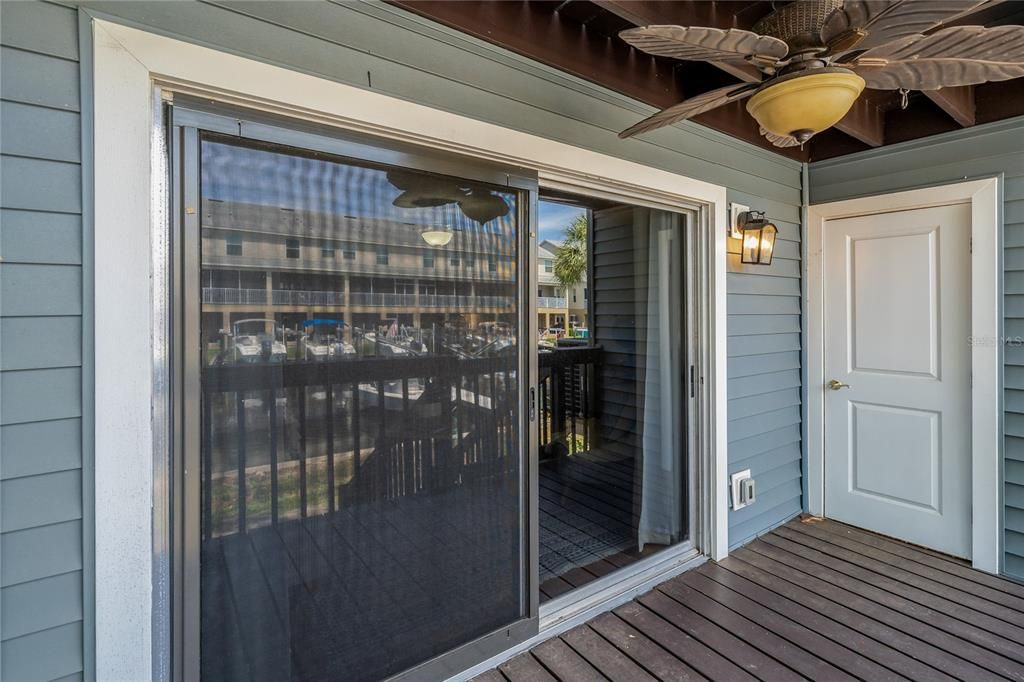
point(251, 342)
point(387, 344)
point(394, 399)
point(322, 340)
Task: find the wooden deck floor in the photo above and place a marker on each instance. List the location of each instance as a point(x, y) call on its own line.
point(817, 601)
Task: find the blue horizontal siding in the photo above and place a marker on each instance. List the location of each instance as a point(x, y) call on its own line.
point(41, 534)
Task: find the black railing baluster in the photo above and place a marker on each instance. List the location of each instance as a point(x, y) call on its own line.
point(572, 407)
point(459, 423)
point(495, 428)
point(464, 441)
point(585, 391)
point(208, 464)
point(357, 463)
point(272, 397)
point(405, 457)
point(329, 388)
point(240, 414)
point(379, 447)
point(446, 455)
point(303, 498)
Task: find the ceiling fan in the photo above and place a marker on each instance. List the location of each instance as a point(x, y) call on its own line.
point(426, 191)
point(817, 56)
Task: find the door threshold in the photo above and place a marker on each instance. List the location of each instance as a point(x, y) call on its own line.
point(586, 602)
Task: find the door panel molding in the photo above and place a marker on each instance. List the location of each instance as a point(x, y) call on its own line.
point(986, 350)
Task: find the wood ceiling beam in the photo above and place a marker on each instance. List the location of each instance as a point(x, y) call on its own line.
point(533, 30)
point(537, 33)
point(864, 122)
point(957, 102)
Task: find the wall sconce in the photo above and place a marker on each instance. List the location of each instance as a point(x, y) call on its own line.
point(758, 236)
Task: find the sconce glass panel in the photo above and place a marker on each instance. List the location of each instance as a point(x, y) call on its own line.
point(758, 240)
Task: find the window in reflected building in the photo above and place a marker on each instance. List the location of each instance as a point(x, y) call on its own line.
point(233, 245)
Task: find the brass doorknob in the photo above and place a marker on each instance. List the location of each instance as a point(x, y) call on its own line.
point(836, 384)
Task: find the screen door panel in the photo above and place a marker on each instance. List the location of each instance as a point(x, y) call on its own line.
point(362, 476)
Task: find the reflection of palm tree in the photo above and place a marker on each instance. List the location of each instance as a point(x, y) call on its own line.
point(571, 259)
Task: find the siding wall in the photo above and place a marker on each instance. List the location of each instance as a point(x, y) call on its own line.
point(987, 150)
point(41, 530)
point(414, 59)
point(401, 55)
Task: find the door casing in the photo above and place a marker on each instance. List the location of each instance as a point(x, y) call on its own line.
point(131, 72)
point(986, 347)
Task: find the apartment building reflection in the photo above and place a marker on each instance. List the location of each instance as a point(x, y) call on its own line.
point(264, 262)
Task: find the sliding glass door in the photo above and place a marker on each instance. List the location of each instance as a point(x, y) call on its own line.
point(614, 469)
point(355, 481)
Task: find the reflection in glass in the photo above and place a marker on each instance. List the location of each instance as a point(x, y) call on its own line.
point(612, 438)
point(361, 507)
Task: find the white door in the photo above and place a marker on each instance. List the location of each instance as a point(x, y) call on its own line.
point(897, 355)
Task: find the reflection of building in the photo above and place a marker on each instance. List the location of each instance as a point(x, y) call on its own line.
point(260, 261)
point(556, 306)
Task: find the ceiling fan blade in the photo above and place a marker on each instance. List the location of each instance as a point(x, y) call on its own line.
point(961, 55)
point(704, 44)
point(864, 24)
point(780, 140)
point(691, 107)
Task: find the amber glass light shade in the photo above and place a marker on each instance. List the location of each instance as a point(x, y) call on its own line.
point(803, 105)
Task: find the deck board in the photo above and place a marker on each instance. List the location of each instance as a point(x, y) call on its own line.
point(811, 600)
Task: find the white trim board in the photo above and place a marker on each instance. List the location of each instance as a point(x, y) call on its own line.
point(128, 64)
point(986, 367)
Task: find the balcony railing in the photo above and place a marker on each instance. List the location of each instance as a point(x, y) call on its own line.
point(286, 440)
point(291, 439)
point(568, 390)
point(551, 302)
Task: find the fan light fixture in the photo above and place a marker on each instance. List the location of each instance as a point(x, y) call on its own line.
point(758, 239)
point(817, 56)
point(437, 237)
point(805, 104)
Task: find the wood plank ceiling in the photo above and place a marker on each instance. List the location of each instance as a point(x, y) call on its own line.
point(581, 37)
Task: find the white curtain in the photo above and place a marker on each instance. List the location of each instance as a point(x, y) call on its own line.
point(661, 512)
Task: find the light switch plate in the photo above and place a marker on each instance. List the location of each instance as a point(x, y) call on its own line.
point(736, 480)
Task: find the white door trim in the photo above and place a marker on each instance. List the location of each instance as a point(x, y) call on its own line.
point(128, 64)
point(986, 346)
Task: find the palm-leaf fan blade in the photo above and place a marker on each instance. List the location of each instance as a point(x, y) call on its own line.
point(704, 44)
point(961, 55)
point(779, 140)
point(865, 24)
point(691, 107)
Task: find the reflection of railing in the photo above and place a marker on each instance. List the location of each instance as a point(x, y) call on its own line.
point(216, 295)
point(243, 296)
point(293, 439)
point(286, 297)
point(365, 265)
point(568, 384)
point(550, 302)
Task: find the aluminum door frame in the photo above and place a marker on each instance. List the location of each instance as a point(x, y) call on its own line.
point(185, 121)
